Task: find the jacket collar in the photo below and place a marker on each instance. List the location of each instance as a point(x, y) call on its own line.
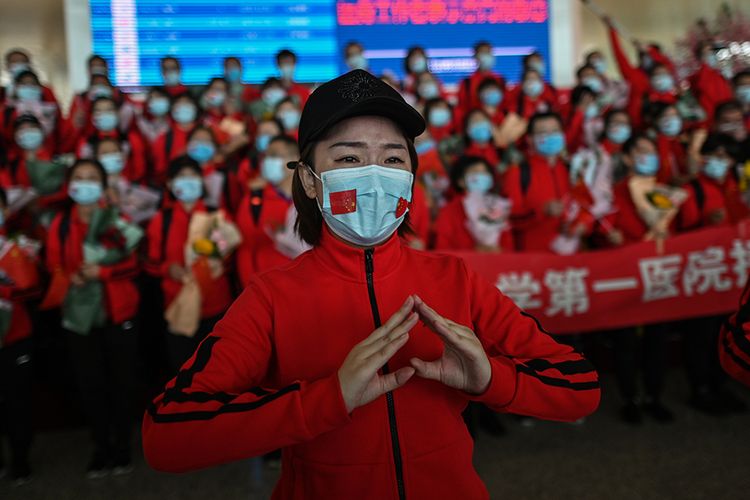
point(348, 262)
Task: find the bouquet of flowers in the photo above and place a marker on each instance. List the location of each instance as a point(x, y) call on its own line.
point(657, 204)
point(110, 239)
point(211, 239)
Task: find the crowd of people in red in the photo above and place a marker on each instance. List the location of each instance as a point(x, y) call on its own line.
point(503, 168)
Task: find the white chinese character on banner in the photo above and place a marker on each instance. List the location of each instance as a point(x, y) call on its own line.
point(567, 291)
point(740, 252)
point(704, 270)
point(521, 289)
point(659, 276)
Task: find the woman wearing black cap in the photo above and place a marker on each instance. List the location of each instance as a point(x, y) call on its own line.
point(358, 357)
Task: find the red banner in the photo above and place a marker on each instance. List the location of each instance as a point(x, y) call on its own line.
point(695, 274)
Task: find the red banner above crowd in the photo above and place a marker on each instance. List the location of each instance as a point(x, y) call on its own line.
point(696, 274)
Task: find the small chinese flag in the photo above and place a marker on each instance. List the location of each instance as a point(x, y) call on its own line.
point(401, 207)
point(343, 202)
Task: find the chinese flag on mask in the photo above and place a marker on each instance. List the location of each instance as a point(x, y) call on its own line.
point(343, 202)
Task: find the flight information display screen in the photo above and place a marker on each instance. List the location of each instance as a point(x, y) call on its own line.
point(134, 34)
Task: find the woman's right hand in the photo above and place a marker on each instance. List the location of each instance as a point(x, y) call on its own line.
point(358, 376)
point(178, 273)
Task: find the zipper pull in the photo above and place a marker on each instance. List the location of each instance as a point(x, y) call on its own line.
point(369, 267)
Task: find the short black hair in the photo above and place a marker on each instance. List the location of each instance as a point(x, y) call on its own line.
point(229, 59)
point(461, 165)
point(200, 128)
point(103, 140)
point(272, 81)
point(96, 57)
point(410, 52)
point(590, 55)
point(16, 51)
point(489, 82)
point(289, 142)
point(103, 99)
point(745, 73)
point(26, 118)
point(481, 44)
point(658, 109)
point(579, 92)
point(285, 53)
point(546, 115)
point(527, 58)
point(88, 161)
point(725, 106)
point(170, 58)
point(583, 68)
point(630, 144)
point(182, 162)
point(428, 105)
point(26, 73)
point(714, 142)
point(185, 95)
point(352, 43)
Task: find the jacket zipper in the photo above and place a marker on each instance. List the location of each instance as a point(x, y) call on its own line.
point(388, 395)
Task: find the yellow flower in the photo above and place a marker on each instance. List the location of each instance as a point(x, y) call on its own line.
point(204, 246)
point(660, 200)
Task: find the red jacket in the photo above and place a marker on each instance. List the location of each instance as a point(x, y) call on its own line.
point(534, 230)
point(706, 197)
point(135, 164)
point(468, 90)
point(162, 254)
point(258, 213)
point(167, 147)
point(451, 232)
point(710, 88)
point(734, 341)
point(20, 321)
point(672, 159)
point(120, 293)
point(526, 107)
point(290, 331)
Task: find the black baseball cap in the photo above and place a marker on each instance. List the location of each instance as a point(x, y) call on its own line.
point(356, 93)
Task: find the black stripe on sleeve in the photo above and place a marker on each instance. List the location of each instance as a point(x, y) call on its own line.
point(558, 382)
point(576, 367)
point(740, 336)
point(736, 359)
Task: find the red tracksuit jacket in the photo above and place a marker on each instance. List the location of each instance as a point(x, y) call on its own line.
point(710, 88)
point(451, 232)
point(533, 229)
point(258, 213)
point(120, 293)
point(162, 254)
point(706, 197)
point(290, 331)
point(734, 341)
point(20, 321)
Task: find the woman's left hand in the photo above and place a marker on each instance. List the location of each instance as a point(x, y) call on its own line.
point(464, 364)
point(90, 272)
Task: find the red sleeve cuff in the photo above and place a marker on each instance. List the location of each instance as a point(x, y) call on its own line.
point(502, 386)
point(323, 405)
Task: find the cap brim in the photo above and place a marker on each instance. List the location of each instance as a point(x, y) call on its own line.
point(400, 112)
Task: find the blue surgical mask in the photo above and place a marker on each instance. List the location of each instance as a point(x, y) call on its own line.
point(716, 168)
point(29, 93)
point(357, 61)
point(105, 121)
point(99, 70)
point(711, 59)
point(533, 88)
point(262, 141)
point(424, 146)
point(290, 119)
point(158, 106)
point(592, 111)
point(418, 64)
point(550, 144)
point(365, 205)
point(619, 133)
point(478, 182)
point(234, 75)
point(85, 192)
point(29, 139)
point(97, 91)
point(286, 71)
point(440, 117)
point(184, 113)
point(594, 83)
point(171, 78)
point(480, 132)
point(187, 189)
point(273, 170)
point(201, 151)
point(113, 163)
point(671, 126)
point(600, 65)
point(743, 94)
point(538, 66)
point(215, 98)
point(486, 61)
point(428, 90)
point(491, 97)
point(646, 164)
point(662, 82)
point(272, 96)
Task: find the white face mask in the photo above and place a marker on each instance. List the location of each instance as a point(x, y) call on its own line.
point(365, 205)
